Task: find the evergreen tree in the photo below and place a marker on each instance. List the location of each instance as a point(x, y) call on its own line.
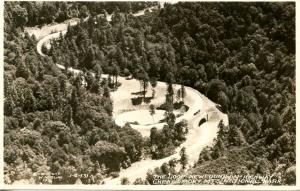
point(22, 71)
point(8, 106)
point(183, 158)
point(152, 111)
point(182, 92)
point(74, 102)
point(68, 115)
point(29, 101)
point(170, 92)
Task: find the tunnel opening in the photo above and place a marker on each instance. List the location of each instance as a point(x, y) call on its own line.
point(203, 120)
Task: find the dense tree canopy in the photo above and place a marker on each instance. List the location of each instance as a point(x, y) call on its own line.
point(240, 55)
point(55, 126)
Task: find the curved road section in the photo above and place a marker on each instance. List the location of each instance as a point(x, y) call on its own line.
point(198, 136)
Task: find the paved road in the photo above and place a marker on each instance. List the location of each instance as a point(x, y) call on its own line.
point(197, 138)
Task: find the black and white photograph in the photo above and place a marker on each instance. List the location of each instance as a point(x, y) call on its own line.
point(107, 93)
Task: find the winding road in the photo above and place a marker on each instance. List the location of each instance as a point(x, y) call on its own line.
point(197, 137)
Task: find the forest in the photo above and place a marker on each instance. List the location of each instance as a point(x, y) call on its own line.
point(240, 55)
